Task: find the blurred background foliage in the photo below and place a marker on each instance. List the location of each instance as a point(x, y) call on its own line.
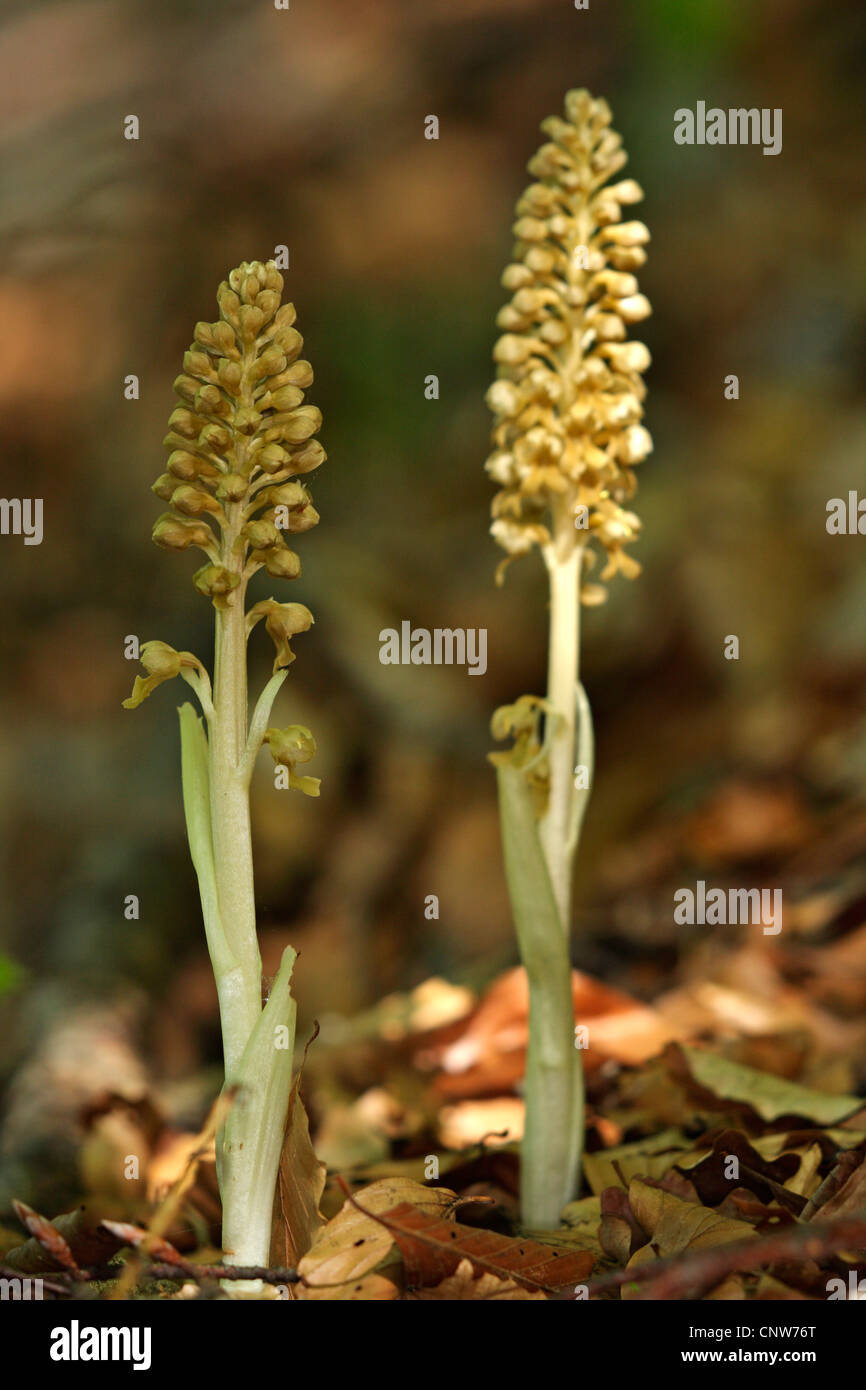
point(305, 128)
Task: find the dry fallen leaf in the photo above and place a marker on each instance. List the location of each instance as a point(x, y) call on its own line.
point(673, 1225)
point(496, 1121)
point(462, 1284)
point(300, 1184)
point(650, 1157)
point(433, 1246)
point(850, 1200)
point(353, 1244)
point(771, 1097)
point(372, 1288)
point(489, 1054)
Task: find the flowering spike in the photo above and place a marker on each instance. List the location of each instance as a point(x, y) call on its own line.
point(568, 396)
point(239, 433)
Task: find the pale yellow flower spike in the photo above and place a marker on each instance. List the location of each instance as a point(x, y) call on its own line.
point(568, 397)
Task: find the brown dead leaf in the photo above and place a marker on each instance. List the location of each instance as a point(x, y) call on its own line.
point(493, 1121)
point(850, 1200)
point(674, 1226)
point(488, 1057)
point(353, 1244)
point(433, 1246)
point(774, 1291)
point(721, 1083)
point(300, 1184)
point(746, 821)
point(90, 1244)
point(650, 1157)
point(619, 1233)
point(715, 1176)
point(462, 1284)
point(372, 1288)
point(730, 1290)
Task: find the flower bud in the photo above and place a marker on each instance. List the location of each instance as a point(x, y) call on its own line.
point(634, 308)
point(301, 520)
point(193, 501)
point(171, 533)
point(290, 341)
point(187, 466)
point(251, 321)
point(261, 534)
point(615, 283)
point(530, 229)
point(232, 488)
point(216, 582)
point(267, 302)
point(210, 401)
point(510, 351)
point(628, 234)
point(230, 375)
point(628, 357)
point(292, 495)
point(164, 486)
point(286, 398)
point(627, 257)
point(298, 373)
point(280, 563)
point(515, 276)
point(503, 398)
point(198, 364)
point(309, 456)
point(635, 445)
point(300, 424)
point(628, 191)
point(268, 363)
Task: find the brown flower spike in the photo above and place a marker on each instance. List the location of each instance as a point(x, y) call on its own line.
point(239, 434)
point(568, 398)
point(240, 438)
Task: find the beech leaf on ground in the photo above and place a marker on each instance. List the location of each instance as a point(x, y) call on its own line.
point(372, 1288)
point(674, 1226)
point(433, 1246)
point(300, 1184)
point(353, 1244)
point(769, 1096)
point(650, 1157)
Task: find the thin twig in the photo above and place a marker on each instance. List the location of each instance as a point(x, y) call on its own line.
point(679, 1277)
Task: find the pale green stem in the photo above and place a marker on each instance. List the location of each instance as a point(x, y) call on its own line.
point(230, 806)
point(563, 557)
point(196, 804)
point(541, 900)
point(252, 1141)
point(553, 1124)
